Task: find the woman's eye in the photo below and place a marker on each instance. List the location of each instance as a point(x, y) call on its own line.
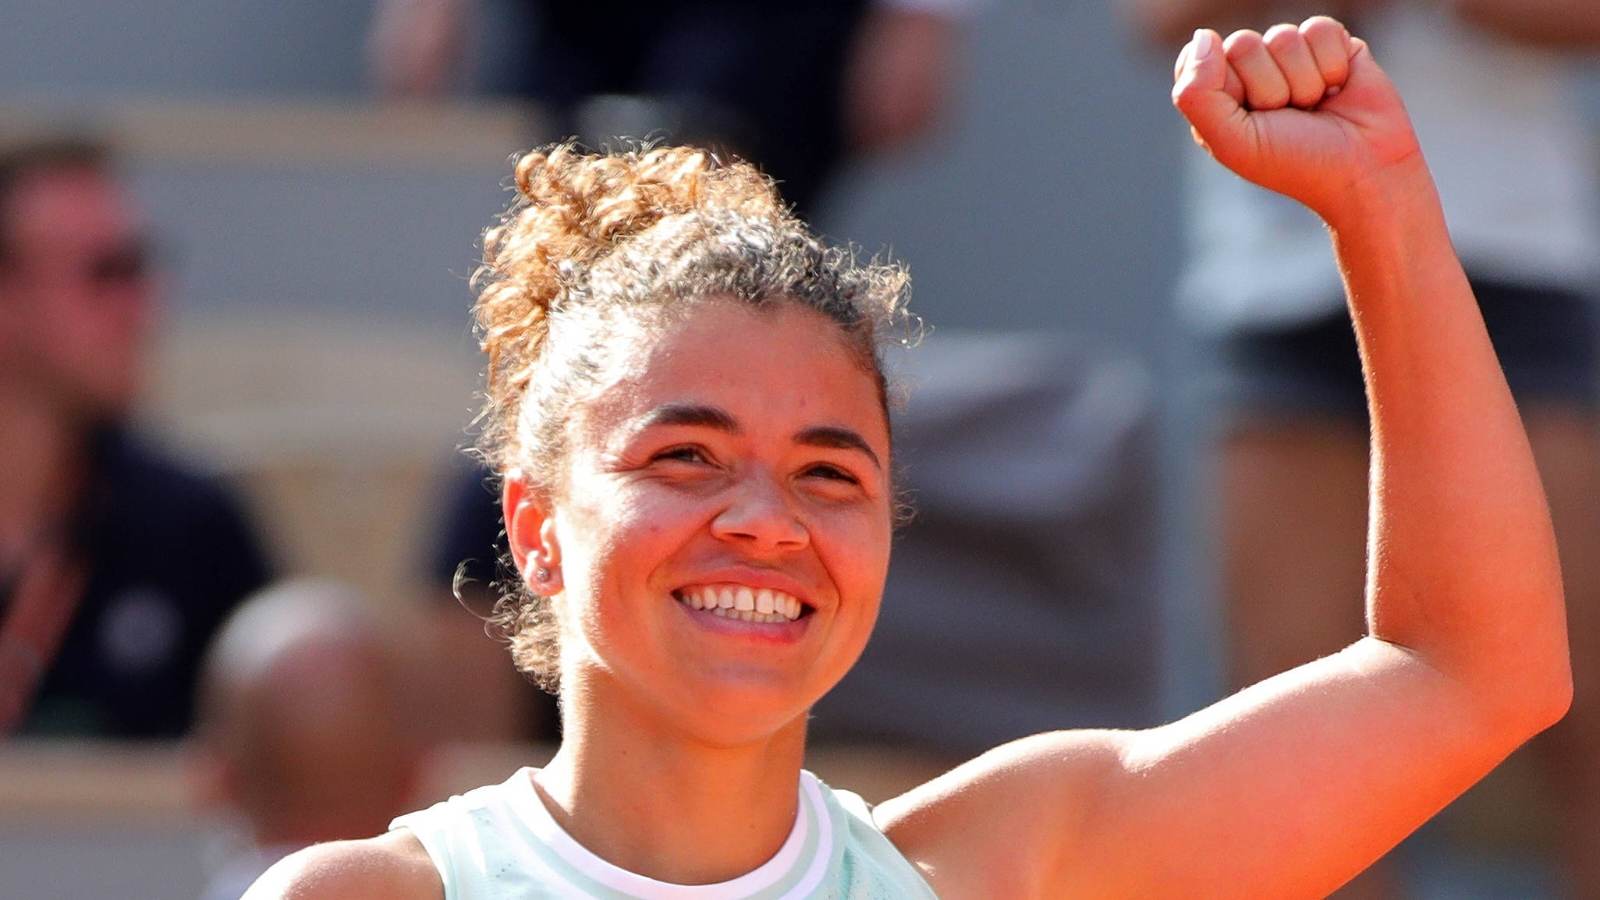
point(832, 473)
point(681, 454)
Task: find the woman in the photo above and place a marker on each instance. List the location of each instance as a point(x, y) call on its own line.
point(692, 427)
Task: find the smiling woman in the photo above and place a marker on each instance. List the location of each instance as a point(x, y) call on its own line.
point(687, 408)
point(590, 288)
point(735, 454)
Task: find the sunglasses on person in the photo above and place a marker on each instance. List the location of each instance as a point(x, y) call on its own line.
point(130, 262)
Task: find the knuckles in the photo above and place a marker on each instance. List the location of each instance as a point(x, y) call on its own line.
point(1242, 43)
point(1282, 36)
point(1323, 25)
point(1267, 71)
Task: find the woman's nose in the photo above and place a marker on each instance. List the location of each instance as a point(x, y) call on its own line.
point(760, 515)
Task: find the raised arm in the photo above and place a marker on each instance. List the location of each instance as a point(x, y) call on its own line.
point(1291, 787)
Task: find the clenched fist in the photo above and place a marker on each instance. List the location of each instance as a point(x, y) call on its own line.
point(1304, 111)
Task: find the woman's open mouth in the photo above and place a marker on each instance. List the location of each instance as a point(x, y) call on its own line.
point(742, 602)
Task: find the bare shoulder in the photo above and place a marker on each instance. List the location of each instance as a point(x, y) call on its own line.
point(1019, 809)
point(392, 865)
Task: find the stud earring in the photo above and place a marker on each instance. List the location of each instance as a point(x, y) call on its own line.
point(541, 574)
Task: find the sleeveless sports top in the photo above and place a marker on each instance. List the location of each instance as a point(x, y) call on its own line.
point(499, 841)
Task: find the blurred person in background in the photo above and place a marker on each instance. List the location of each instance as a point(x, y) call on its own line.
point(798, 88)
point(304, 733)
point(1488, 84)
point(117, 561)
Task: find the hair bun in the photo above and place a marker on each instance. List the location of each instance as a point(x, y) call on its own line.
point(599, 247)
point(573, 208)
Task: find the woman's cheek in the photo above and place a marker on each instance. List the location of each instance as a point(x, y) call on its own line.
point(855, 544)
point(654, 513)
point(869, 524)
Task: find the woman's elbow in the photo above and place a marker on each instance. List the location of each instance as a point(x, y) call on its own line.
point(1558, 696)
point(1552, 684)
point(1536, 693)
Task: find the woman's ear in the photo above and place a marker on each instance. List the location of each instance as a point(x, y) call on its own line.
point(531, 534)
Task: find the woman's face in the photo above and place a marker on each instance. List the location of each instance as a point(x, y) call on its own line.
point(740, 459)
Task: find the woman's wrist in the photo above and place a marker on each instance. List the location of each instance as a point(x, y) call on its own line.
point(1403, 194)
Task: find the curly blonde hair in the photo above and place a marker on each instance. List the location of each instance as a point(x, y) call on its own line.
point(595, 240)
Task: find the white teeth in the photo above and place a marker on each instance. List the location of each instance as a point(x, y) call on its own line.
point(745, 603)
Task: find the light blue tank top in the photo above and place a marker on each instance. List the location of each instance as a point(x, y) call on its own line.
point(500, 842)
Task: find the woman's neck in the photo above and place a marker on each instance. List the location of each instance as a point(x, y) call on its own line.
point(661, 804)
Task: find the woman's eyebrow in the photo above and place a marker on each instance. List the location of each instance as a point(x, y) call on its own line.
point(837, 437)
point(693, 414)
point(705, 416)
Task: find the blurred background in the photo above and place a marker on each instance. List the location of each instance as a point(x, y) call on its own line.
point(307, 183)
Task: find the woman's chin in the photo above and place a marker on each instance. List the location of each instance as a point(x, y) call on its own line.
point(737, 708)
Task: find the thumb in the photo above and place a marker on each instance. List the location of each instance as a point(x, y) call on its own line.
point(1206, 90)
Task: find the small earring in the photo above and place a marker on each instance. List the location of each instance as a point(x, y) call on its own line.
point(541, 574)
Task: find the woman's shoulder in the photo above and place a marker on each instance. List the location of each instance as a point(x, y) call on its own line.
point(1012, 816)
point(392, 866)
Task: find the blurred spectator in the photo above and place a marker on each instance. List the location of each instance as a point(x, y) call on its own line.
point(304, 733)
point(795, 86)
point(1492, 100)
point(117, 562)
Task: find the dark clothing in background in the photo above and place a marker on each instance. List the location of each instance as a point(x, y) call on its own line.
point(762, 79)
point(470, 543)
point(169, 554)
point(472, 538)
point(1544, 335)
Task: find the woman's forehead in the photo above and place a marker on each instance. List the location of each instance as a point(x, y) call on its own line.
point(782, 366)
